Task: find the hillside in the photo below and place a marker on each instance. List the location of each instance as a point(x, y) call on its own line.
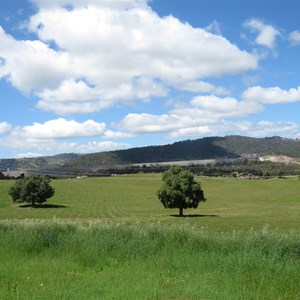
point(205, 148)
point(36, 163)
point(260, 146)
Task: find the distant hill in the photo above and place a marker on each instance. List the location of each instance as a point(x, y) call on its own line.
point(261, 146)
point(36, 163)
point(204, 148)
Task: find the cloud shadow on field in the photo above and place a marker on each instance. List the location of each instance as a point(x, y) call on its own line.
point(42, 206)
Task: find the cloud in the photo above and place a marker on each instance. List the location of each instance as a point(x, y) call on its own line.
point(214, 28)
point(32, 65)
point(66, 129)
point(177, 126)
point(265, 128)
point(95, 146)
point(28, 154)
point(267, 34)
point(202, 87)
point(92, 55)
point(4, 127)
point(294, 37)
point(203, 115)
point(272, 95)
point(61, 128)
point(212, 115)
point(259, 129)
point(225, 107)
point(195, 130)
point(198, 131)
point(71, 4)
point(78, 97)
point(147, 123)
point(61, 135)
point(55, 147)
point(181, 123)
point(71, 97)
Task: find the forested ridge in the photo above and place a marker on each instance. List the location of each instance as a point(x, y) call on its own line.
point(35, 163)
point(204, 148)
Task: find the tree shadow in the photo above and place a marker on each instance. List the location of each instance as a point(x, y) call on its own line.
point(42, 206)
point(194, 216)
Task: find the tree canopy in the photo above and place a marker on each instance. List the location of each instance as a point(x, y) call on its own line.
point(180, 190)
point(32, 189)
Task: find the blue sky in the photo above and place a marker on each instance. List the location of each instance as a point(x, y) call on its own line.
point(88, 76)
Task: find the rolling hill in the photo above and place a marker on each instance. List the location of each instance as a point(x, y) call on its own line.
point(36, 163)
point(204, 148)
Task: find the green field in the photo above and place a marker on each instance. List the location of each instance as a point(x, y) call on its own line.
point(110, 238)
point(232, 203)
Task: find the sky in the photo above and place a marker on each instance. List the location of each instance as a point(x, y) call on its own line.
point(82, 76)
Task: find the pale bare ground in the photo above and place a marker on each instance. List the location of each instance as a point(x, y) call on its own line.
point(280, 159)
point(189, 162)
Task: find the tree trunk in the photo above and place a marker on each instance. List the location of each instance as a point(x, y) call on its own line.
point(180, 212)
point(32, 203)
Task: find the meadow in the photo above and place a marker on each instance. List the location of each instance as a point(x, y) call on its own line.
point(110, 238)
point(232, 204)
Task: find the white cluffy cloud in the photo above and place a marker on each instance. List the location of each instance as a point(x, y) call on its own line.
point(267, 34)
point(62, 128)
point(201, 116)
point(55, 147)
point(94, 54)
point(272, 95)
point(66, 129)
point(61, 135)
point(225, 107)
point(294, 37)
point(77, 96)
point(4, 127)
point(28, 154)
point(32, 65)
point(212, 115)
point(191, 127)
point(265, 128)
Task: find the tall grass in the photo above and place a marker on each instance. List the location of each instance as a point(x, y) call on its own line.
point(93, 260)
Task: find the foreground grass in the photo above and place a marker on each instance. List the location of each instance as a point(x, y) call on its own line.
point(61, 260)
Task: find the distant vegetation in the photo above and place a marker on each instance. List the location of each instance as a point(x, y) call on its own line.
point(240, 145)
point(35, 163)
point(247, 167)
point(205, 148)
point(187, 150)
point(233, 147)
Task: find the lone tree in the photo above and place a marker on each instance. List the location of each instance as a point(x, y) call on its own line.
point(180, 190)
point(32, 189)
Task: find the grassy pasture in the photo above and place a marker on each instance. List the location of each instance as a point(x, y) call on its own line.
point(232, 204)
point(110, 238)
